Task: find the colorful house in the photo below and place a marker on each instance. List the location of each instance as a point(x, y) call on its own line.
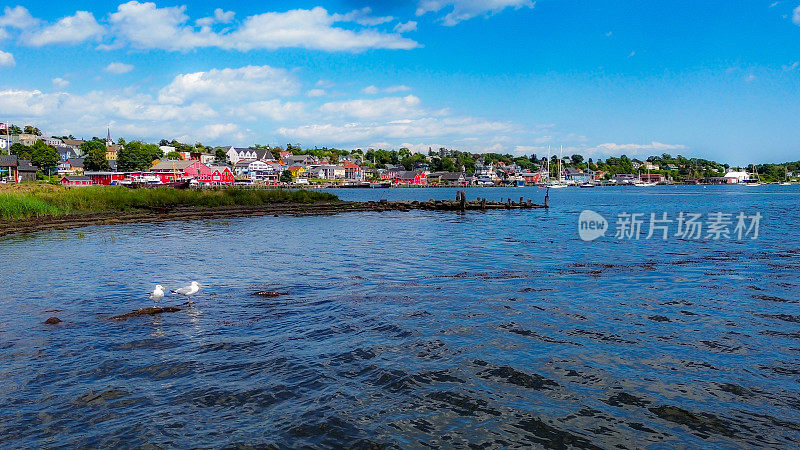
point(219, 176)
point(412, 177)
point(76, 181)
point(353, 171)
point(171, 170)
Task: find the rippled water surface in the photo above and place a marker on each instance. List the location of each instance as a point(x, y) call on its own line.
point(410, 329)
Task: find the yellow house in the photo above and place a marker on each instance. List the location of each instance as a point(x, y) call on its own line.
point(111, 152)
point(297, 171)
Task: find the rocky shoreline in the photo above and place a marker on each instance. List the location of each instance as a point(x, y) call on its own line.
point(71, 221)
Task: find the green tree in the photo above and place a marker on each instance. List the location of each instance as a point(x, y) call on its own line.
point(174, 155)
point(22, 151)
point(44, 157)
point(220, 155)
point(95, 152)
point(137, 156)
point(30, 129)
point(14, 129)
point(286, 176)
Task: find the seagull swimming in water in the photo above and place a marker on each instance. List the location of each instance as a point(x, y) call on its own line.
point(188, 291)
point(157, 294)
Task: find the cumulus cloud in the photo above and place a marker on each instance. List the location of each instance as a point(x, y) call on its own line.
point(406, 27)
point(362, 16)
point(70, 30)
point(449, 128)
point(796, 16)
point(397, 107)
point(220, 16)
point(143, 25)
point(18, 17)
point(611, 148)
point(271, 109)
point(118, 68)
point(7, 59)
point(372, 90)
point(250, 82)
point(60, 83)
point(467, 9)
point(316, 93)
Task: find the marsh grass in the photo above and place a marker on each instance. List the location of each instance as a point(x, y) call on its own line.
point(29, 201)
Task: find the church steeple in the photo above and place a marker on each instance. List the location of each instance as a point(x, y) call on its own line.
point(108, 138)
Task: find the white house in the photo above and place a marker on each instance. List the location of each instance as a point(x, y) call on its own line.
point(737, 177)
point(326, 172)
point(235, 154)
point(166, 149)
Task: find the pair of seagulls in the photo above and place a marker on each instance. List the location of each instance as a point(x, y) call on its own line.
point(186, 291)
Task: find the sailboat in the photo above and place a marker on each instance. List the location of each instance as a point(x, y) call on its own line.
point(642, 183)
point(753, 181)
point(785, 181)
point(560, 183)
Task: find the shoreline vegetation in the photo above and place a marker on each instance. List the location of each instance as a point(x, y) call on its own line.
point(30, 208)
point(26, 201)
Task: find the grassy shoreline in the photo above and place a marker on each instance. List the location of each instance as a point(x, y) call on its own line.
point(28, 201)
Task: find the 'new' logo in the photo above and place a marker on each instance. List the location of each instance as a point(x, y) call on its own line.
point(591, 225)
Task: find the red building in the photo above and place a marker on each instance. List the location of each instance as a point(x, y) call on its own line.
point(411, 178)
point(353, 171)
point(170, 170)
point(109, 178)
point(218, 176)
point(76, 181)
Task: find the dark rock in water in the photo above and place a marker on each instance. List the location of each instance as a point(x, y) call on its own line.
point(702, 422)
point(269, 294)
point(623, 398)
point(152, 311)
point(52, 321)
point(659, 318)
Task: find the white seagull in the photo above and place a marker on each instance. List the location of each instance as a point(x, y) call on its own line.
point(188, 291)
point(157, 294)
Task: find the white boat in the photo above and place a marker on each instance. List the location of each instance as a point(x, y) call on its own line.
point(587, 185)
point(785, 183)
point(560, 184)
point(644, 184)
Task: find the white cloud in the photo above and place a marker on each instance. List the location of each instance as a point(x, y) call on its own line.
point(796, 16)
point(467, 9)
point(60, 83)
point(316, 93)
point(611, 148)
point(372, 90)
point(250, 83)
point(7, 59)
point(406, 27)
point(220, 16)
point(3, 34)
point(118, 68)
point(18, 17)
point(404, 107)
point(312, 29)
point(421, 128)
point(362, 16)
point(70, 30)
point(791, 67)
point(272, 109)
point(143, 25)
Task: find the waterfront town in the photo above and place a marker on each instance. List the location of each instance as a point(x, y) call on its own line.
point(28, 155)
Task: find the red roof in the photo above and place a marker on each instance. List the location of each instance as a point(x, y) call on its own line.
point(351, 165)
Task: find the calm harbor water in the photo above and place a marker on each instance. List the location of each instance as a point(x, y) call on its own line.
point(411, 329)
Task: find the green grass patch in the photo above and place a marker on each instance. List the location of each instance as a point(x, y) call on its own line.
point(22, 202)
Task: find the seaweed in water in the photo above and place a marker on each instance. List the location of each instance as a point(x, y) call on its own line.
point(151, 311)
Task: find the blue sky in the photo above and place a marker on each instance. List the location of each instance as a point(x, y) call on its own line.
point(715, 79)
